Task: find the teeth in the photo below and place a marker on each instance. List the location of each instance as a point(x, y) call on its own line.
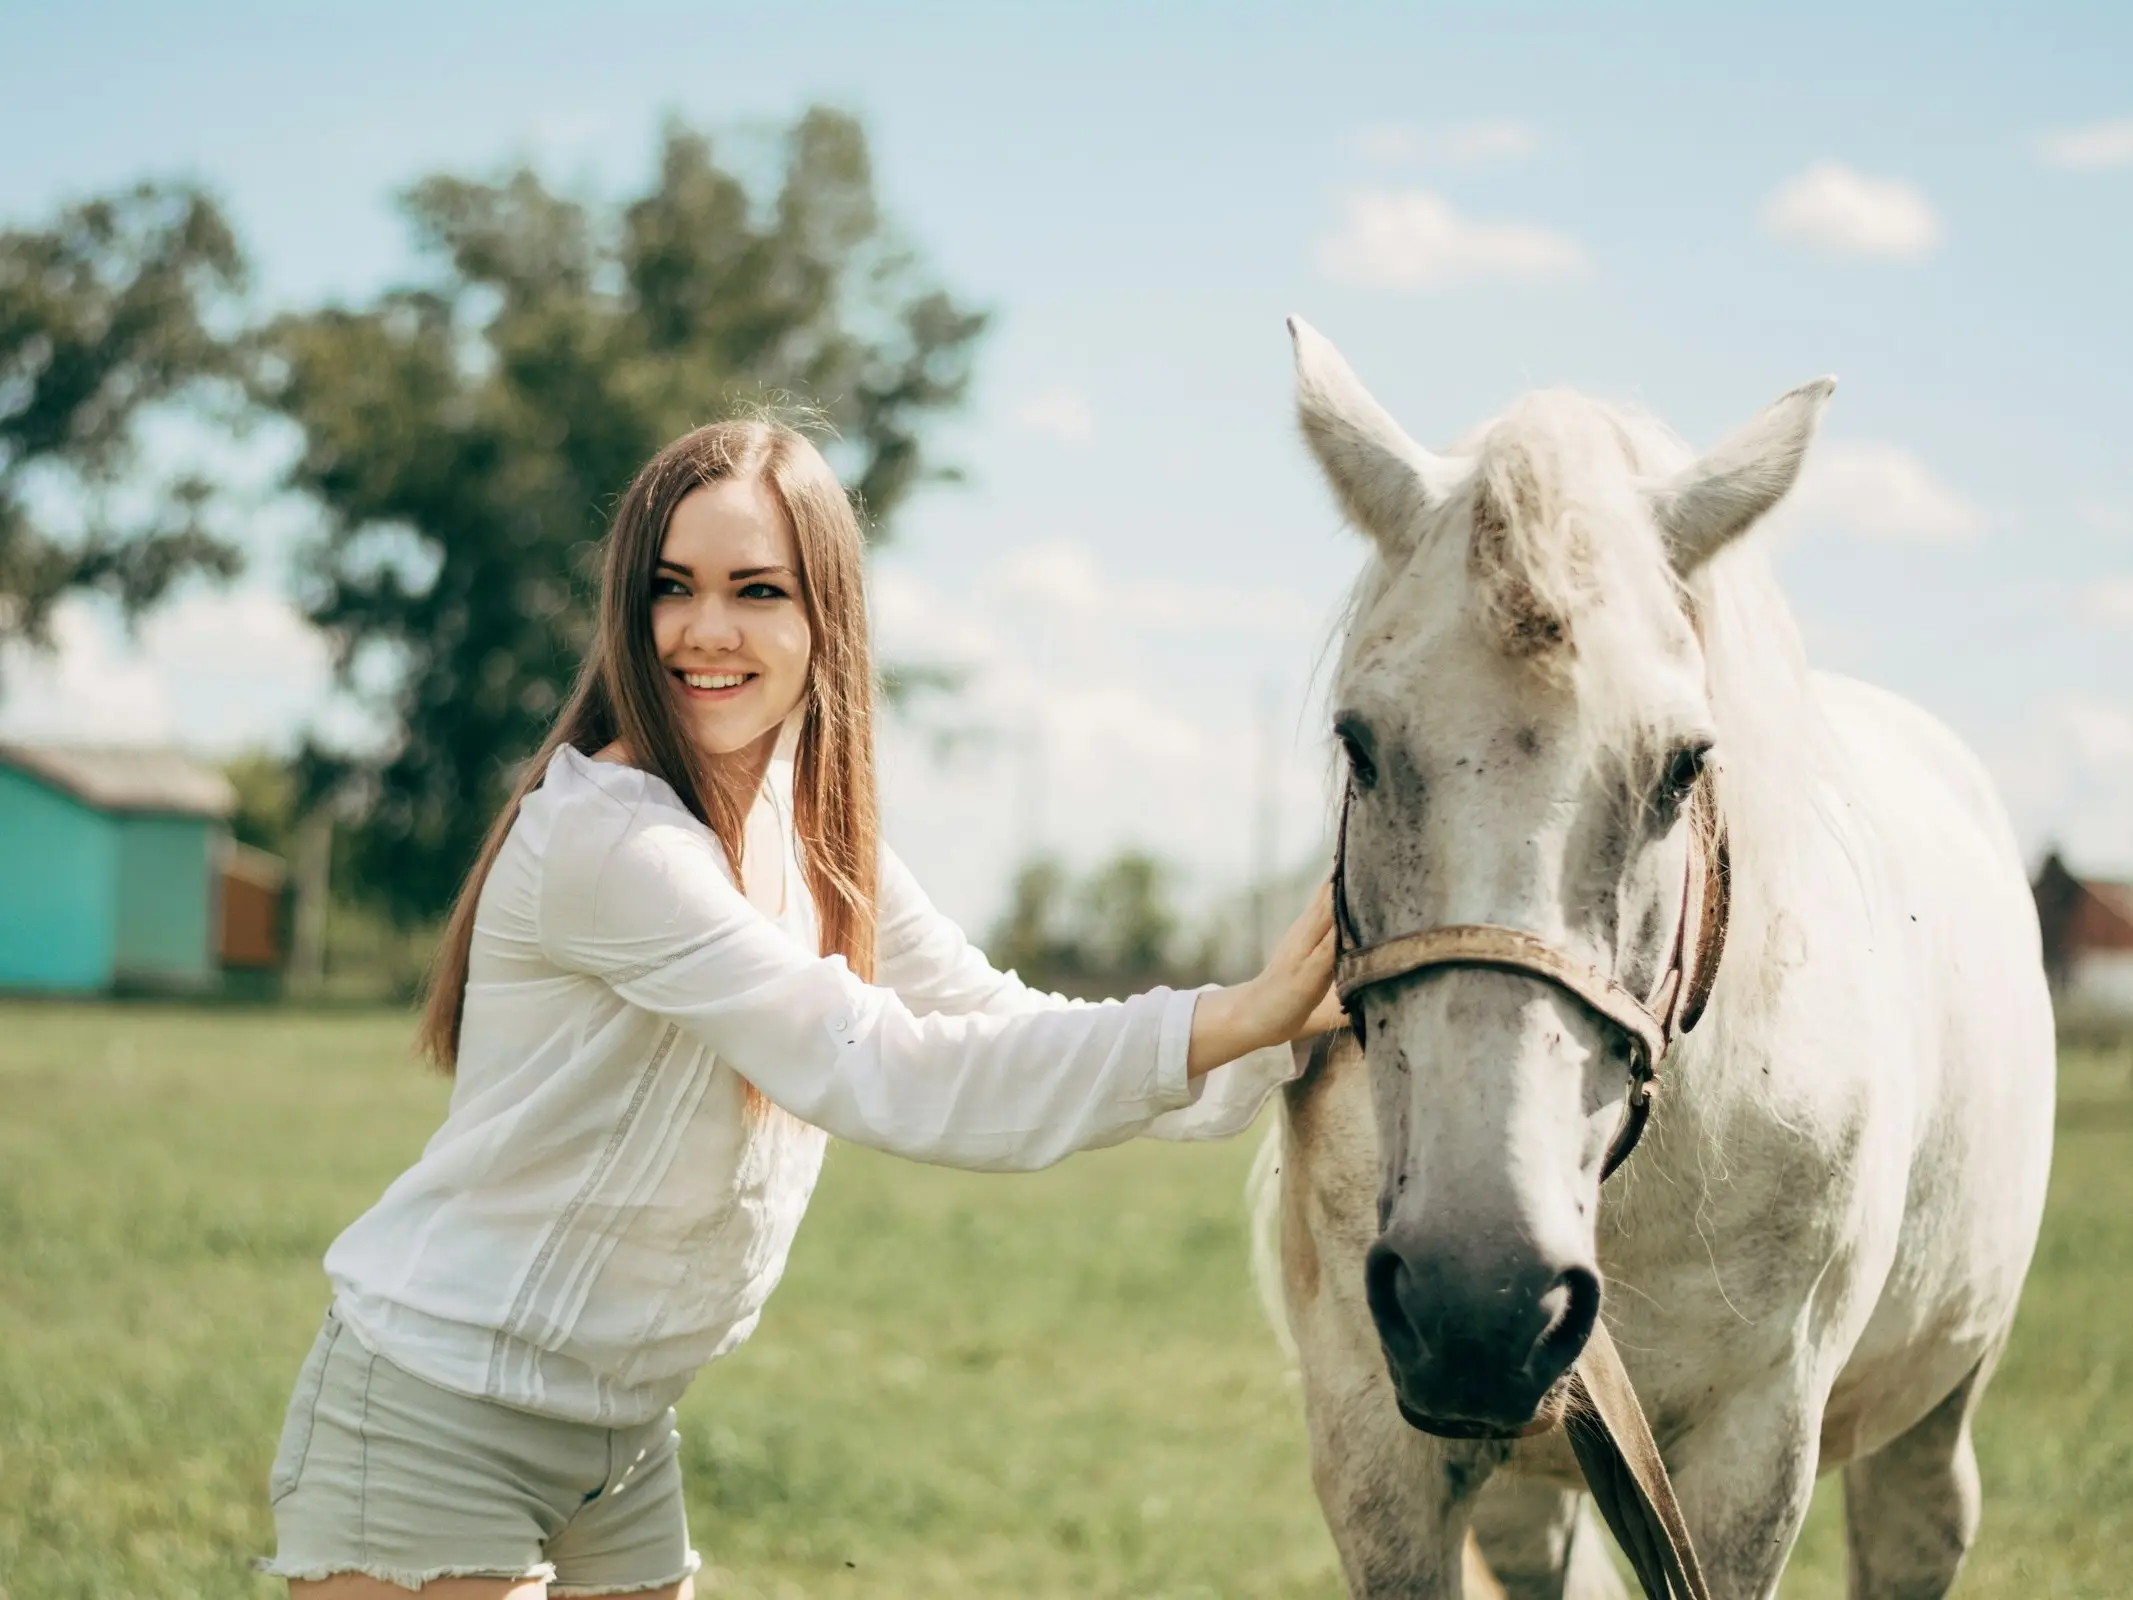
point(714, 680)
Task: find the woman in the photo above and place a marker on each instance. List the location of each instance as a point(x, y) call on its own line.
point(682, 961)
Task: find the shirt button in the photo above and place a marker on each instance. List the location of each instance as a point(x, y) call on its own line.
point(841, 1022)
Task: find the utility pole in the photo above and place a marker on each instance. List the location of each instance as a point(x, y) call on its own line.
point(1029, 792)
point(1266, 821)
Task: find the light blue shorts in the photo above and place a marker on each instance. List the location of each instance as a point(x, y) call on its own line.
point(384, 1474)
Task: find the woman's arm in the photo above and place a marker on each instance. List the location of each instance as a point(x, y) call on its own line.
point(1226, 1101)
point(645, 906)
point(926, 958)
point(932, 965)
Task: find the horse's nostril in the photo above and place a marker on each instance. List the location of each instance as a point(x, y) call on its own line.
point(1384, 1280)
point(1571, 1305)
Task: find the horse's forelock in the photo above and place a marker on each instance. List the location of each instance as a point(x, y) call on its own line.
point(1555, 507)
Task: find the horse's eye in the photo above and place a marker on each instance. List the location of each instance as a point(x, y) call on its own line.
point(1365, 772)
point(1355, 742)
point(1683, 768)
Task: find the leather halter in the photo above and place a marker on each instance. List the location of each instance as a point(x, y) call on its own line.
point(1606, 1425)
point(1651, 1022)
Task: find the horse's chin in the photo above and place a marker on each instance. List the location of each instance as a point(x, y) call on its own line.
point(1546, 1418)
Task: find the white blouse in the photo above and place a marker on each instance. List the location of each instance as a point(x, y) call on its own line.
point(605, 1209)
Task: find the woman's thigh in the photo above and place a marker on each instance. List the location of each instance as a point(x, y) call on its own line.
point(350, 1586)
point(354, 1586)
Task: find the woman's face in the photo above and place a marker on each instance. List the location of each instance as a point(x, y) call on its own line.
point(727, 618)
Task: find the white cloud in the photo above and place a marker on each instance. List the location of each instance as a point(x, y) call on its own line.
point(89, 689)
point(912, 621)
point(1064, 577)
point(215, 672)
point(1059, 413)
point(1832, 208)
point(2110, 601)
point(1108, 708)
point(2093, 148)
point(1880, 491)
point(1413, 239)
point(1464, 144)
point(2101, 734)
point(2067, 775)
point(2101, 516)
point(555, 130)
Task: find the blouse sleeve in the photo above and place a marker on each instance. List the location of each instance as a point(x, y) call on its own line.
point(930, 963)
point(639, 899)
point(1227, 1100)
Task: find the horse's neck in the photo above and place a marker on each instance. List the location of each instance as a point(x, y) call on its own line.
point(1778, 783)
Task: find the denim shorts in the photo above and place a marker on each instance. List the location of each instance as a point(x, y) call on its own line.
point(384, 1474)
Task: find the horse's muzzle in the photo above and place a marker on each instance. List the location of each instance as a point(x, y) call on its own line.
point(1478, 1354)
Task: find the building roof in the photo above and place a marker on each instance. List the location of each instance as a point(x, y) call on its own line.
point(126, 777)
point(261, 868)
point(2106, 922)
point(2077, 915)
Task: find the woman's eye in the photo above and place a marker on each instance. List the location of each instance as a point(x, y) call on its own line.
point(762, 591)
point(667, 586)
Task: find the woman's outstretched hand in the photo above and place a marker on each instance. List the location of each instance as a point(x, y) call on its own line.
point(1291, 997)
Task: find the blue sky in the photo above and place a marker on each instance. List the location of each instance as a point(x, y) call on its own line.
point(1691, 207)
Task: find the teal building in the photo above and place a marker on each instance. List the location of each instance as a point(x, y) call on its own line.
point(111, 868)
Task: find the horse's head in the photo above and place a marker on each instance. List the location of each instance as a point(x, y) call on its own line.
point(1523, 701)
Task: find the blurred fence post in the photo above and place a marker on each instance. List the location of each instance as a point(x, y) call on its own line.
point(314, 875)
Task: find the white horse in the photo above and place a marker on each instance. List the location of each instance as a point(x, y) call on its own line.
point(1813, 1260)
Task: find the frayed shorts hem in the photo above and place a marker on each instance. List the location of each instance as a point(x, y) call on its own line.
point(564, 1591)
point(409, 1577)
point(404, 1578)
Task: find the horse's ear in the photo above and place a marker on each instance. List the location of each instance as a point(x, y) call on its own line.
point(1720, 496)
point(1383, 479)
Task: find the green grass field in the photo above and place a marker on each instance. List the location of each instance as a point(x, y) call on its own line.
point(1047, 1386)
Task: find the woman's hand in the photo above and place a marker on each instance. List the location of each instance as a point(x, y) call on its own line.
point(1290, 998)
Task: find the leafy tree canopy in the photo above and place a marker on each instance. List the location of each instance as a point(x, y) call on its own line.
point(466, 435)
point(267, 812)
point(1114, 931)
point(121, 304)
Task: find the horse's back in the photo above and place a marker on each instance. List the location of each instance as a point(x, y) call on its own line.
point(1921, 767)
point(1929, 844)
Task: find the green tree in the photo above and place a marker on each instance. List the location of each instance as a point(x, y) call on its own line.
point(1115, 931)
point(1033, 936)
point(266, 816)
point(466, 434)
point(123, 304)
point(1129, 925)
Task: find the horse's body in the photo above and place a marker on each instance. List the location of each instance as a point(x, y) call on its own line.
point(1814, 1257)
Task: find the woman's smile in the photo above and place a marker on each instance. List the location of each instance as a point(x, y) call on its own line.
point(713, 686)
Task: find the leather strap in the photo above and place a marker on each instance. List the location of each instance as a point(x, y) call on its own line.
point(1714, 854)
point(1627, 1475)
point(1687, 970)
point(1482, 944)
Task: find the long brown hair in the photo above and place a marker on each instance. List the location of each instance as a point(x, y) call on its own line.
point(623, 694)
